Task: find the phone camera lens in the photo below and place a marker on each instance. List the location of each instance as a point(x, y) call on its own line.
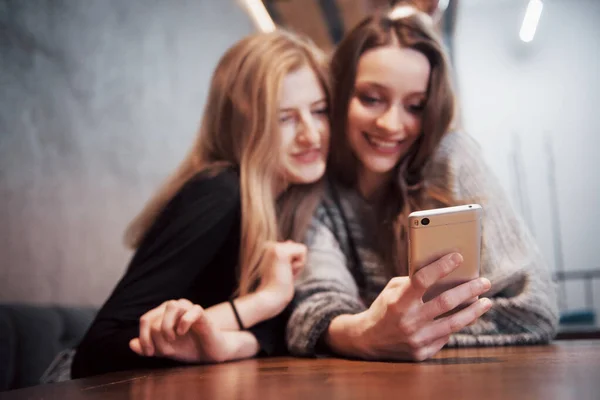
point(425, 221)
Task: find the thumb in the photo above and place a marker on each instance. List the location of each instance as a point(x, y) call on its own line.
point(136, 346)
point(296, 271)
point(204, 328)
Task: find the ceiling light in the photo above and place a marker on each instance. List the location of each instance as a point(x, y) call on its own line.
point(259, 15)
point(530, 22)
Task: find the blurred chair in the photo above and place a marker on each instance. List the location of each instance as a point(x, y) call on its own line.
point(579, 323)
point(32, 336)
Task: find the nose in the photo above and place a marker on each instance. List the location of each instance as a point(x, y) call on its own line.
point(392, 120)
point(308, 132)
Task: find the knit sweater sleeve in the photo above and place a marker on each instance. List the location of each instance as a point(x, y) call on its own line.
point(324, 290)
point(523, 294)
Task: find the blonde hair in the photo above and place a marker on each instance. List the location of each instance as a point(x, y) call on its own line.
point(409, 28)
point(240, 128)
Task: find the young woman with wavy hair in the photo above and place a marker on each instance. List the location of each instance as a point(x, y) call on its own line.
point(393, 151)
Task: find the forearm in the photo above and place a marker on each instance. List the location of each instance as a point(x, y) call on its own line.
point(510, 321)
point(241, 345)
point(524, 305)
point(524, 311)
point(312, 318)
point(253, 308)
point(325, 290)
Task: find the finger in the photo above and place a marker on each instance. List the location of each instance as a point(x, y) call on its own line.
point(296, 250)
point(146, 322)
point(204, 328)
point(211, 338)
point(191, 316)
point(397, 282)
point(213, 341)
point(453, 323)
point(299, 259)
point(429, 351)
point(173, 311)
point(297, 267)
point(452, 298)
point(159, 341)
point(136, 346)
point(302, 251)
point(425, 277)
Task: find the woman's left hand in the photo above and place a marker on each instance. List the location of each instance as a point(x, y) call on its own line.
point(284, 260)
point(181, 330)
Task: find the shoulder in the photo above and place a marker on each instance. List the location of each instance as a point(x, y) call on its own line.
point(329, 212)
point(324, 217)
point(458, 165)
point(333, 212)
point(457, 148)
point(207, 192)
point(222, 183)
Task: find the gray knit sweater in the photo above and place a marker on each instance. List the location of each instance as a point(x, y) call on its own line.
point(524, 307)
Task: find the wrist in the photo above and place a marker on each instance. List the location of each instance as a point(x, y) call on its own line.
point(347, 336)
point(271, 301)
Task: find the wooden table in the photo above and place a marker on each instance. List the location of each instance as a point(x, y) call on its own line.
point(563, 370)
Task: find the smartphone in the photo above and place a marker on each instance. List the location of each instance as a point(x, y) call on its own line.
point(438, 232)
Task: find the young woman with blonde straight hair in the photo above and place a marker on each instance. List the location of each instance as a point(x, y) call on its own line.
point(216, 247)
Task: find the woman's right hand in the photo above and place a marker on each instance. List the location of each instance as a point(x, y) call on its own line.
point(181, 330)
point(284, 260)
point(400, 326)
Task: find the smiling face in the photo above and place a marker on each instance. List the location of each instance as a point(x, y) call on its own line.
point(385, 111)
point(304, 127)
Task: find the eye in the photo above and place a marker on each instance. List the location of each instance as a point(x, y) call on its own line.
point(321, 111)
point(369, 100)
point(283, 118)
point(416, 108)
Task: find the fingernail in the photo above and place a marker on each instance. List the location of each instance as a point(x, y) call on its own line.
point(456, 259)
point(485, 302)
point(485, 283)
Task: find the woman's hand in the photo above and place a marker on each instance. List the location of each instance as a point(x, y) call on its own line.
point(285, 260)
point(400, 326)
point(182, 331)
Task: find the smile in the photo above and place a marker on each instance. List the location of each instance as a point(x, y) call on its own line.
point(308, 156)
point(382, 145)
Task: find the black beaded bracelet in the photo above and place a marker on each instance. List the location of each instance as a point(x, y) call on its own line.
point(237, 315)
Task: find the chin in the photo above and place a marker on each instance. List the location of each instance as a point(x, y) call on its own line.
point(379, 168)
point(309, 175)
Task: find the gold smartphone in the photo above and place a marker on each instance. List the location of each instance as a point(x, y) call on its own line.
point(435, 233)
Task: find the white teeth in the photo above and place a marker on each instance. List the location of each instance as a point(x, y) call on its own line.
point(386, 144)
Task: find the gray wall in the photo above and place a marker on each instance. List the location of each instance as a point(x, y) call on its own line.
point(99, 101)
point(512, 92)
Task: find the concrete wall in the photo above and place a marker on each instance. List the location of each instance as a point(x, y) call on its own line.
point(515, 95)
point(99, 101)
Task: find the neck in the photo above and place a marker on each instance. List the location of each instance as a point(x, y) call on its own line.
point(371, 184)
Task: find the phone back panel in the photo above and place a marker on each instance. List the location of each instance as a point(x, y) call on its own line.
point(451, 229)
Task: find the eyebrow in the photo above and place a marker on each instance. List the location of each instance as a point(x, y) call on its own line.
point(385, 88)
point(314, 103)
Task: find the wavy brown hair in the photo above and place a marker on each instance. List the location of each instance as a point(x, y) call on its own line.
point(240, 129)
point(407, 28)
